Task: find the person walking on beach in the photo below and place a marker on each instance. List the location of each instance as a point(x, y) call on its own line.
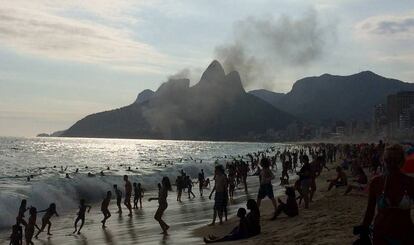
point(30, 226)
point(128, 194)
point(138, 195)
point(105, 208)
point(81, 215)
point(49, 212)
point(162, 203)
point(189, 184)
point(266, 189)
point(220, 198)
point(118, 194)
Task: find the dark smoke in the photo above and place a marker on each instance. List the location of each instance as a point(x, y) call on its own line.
point(268, 50)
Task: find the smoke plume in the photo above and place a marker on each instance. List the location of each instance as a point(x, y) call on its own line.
point(266, 51)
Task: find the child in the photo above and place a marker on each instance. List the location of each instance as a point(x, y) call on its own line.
point(104, 208)
point(81, 215)
point(49, 212)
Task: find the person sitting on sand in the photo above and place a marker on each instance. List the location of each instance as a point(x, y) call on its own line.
point(30, 226)
point(266, 188)
point(361, 181)
point(340, 180)
point(128, 194)
point(16, 238)
point(239, 232)
point(220, 198)
point(105, 209)
point(49, 212)
point(118, 194)
point(391, 194)
point(290, 208)
point(81, 215)
point(253, 218)
point(162, 203)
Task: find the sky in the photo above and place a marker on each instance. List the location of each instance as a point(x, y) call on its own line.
point(62, 60)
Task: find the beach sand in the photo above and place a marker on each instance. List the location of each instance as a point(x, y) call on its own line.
point(330, 219)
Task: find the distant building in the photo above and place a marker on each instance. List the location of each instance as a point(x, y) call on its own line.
point(397, 106)
point(379, 122)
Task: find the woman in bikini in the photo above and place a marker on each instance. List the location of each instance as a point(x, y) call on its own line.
point(391, 194)
point(49, 212)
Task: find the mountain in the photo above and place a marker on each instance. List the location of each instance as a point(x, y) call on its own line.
point(270, 97)
point(216, 108)
point(330, 97)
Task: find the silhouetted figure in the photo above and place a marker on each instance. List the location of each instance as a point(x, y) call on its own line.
point(81, 215)
point(162, 202)
point(221, 196)
point(239, 232)
point(16, 238)
point(105, 208)
point(201, 180)
point(290, 208)
point(22, 210)
point(138, 195)
point(118, 194)
point(49, 212)
point(266, 188)
point(128, 194)
point(31, 224)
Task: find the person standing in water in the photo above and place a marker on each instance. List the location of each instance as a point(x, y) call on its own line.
point(118, 194)
point(163, 204)
point(266, 189)
point(201, 180)
point(81, 215)
point(16, 238)
point(49, 212)
point(104, 208)
point(220, 198)
point(138, 195)
point(128, 194)
point(22, 210)
point(30, 226)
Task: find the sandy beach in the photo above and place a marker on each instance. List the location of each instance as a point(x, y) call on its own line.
point(329, 220)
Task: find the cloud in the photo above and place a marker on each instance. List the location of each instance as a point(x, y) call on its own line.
point(388, 26)
point(45, 29)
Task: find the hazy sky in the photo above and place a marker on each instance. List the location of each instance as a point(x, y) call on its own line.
point(62, 60)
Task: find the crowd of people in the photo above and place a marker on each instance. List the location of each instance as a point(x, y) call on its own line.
point(390, 191)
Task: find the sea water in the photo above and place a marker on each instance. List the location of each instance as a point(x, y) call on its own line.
point(145, 161)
